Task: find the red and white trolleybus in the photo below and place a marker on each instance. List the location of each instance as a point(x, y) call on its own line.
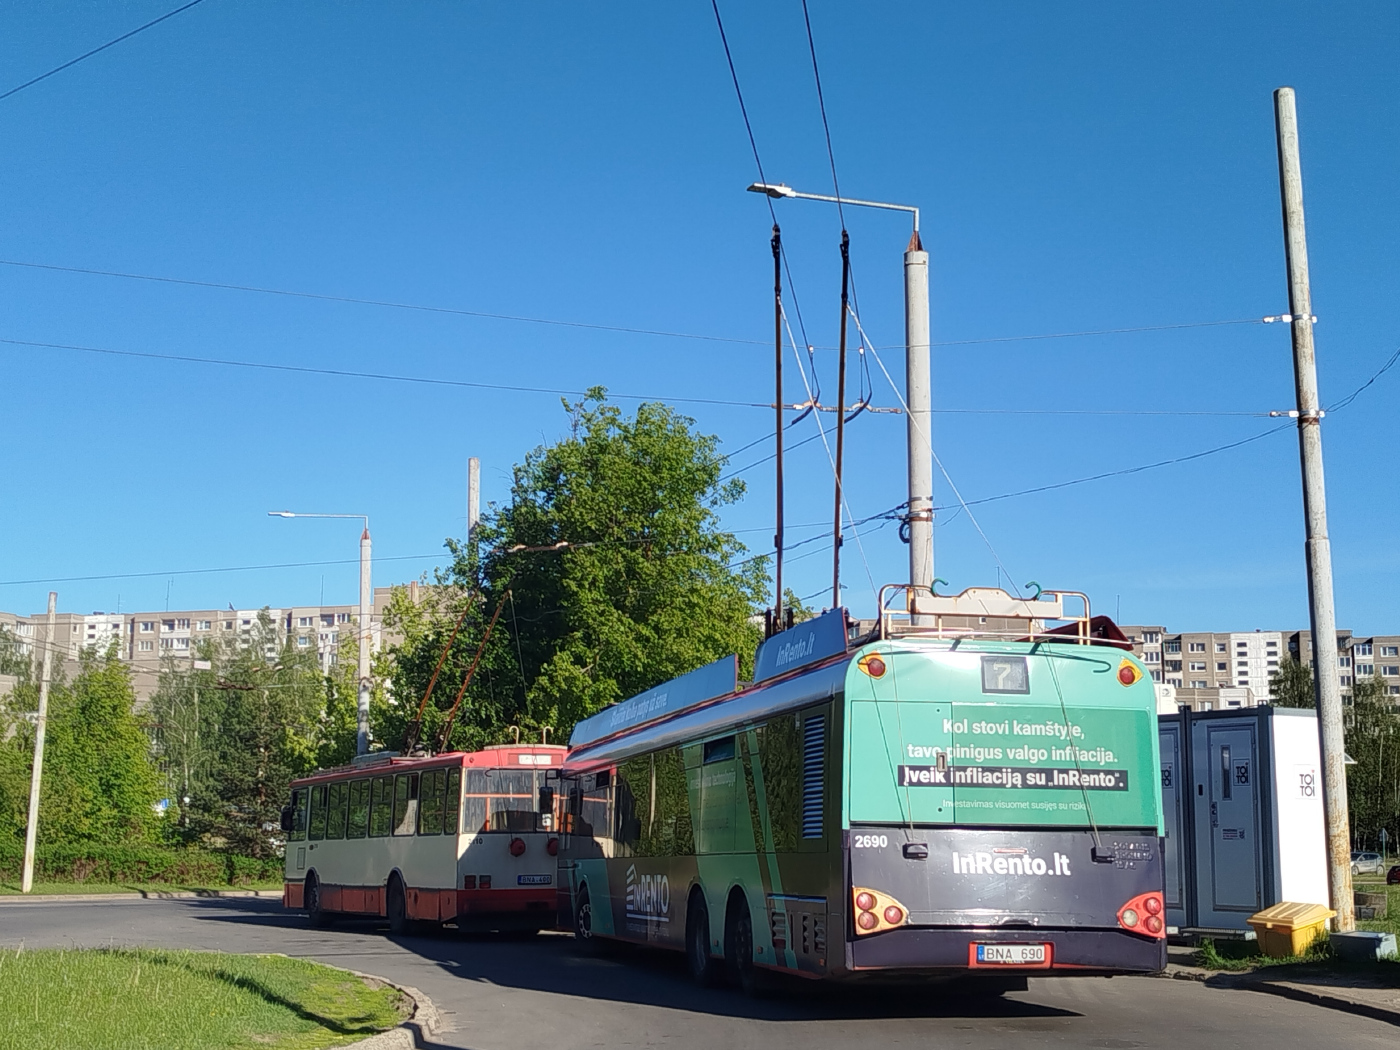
point(463, 837)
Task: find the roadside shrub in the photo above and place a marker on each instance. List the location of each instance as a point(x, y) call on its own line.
point(111, 864)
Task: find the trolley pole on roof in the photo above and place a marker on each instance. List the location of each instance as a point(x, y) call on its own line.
point(41, 723)
point(1319, 550)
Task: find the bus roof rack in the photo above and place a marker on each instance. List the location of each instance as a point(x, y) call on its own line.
point(983, 612)
point(374, 758)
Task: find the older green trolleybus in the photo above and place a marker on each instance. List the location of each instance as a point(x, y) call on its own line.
point(965, 792)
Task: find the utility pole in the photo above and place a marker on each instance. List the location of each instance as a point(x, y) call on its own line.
point(840, 419)
point(366, 608)
point(918, 388)
point(473, 497)
point(779, 621)
point(1319, 550)
point(31, 831)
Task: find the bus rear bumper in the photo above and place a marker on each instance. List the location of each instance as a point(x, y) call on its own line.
point(1076, 952)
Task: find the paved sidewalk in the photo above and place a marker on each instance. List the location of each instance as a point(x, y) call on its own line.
point(1356, 991)
point(150, 895)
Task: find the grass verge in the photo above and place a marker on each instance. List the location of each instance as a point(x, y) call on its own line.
point(144, 999)
point(10, 889)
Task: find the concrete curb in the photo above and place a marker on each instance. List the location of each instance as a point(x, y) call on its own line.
point(412, 1033)
point(136, 895)
point(1253, 982)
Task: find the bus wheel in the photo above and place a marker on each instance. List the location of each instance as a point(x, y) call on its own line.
point(584, 936)
point(704, 967)
point(738, 945)
point(396, 906)
point(311, 900)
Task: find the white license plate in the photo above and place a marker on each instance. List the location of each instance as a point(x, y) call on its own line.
point(1010, 954)
point(533, 880)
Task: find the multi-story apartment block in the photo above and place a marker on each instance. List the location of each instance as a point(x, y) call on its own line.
point(1213, 671)
point(146, 640)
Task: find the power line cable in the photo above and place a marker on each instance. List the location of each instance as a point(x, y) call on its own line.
point(384, 376)
point(97, 50)
point(226, 568)
point(821, 104)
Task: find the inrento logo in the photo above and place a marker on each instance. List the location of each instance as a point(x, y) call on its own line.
point(648, 896)
point(794, 651)
point(1008, 862)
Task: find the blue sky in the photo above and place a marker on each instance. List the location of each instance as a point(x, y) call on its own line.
point(1080, 167)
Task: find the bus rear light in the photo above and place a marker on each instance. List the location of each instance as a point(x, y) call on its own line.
point(517, 847)
point(552, 847)
point(872, 665)
point(876, 911)
point(1128, 673)
point(468, 882)
point(1143, 914)
point(484, 883)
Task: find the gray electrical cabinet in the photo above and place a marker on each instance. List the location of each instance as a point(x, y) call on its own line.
point(1242, 799)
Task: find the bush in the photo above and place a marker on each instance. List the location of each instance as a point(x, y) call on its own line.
point(103, 864)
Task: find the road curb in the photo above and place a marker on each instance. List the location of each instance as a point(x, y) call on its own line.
point(1253, 983)
point(410, 1034)
point(137, 895)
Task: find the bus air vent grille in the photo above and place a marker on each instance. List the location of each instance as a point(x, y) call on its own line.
point(813, 763)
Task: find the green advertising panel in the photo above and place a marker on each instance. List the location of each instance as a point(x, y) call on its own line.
point(1000, 733)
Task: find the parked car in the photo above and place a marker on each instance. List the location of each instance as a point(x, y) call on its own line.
point(1392, 877)
point(1366, 864)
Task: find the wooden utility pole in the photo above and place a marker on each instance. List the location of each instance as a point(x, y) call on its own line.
point(1319, 549)
point(31, 830)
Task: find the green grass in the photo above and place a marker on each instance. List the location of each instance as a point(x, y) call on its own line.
point(8, 888)
point(1238, 956)
point(142, 999)
point(1391, 922)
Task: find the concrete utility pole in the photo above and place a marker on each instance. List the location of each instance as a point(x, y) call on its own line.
point(1319, 549)
point(366, 610)
point(31, 831)
point(473, 496)
point(918, 388)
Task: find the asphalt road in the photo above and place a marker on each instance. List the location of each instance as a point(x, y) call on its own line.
point(499, 993)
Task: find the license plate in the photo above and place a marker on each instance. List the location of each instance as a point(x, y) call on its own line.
point(1010, 955)
point(533, 880)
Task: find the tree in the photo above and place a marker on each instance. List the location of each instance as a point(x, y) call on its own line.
point(1292, 685)
point(610, 572)
point(1373, 743)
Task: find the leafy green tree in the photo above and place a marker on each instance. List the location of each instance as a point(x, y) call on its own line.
point(1292, 685)
point(610, 573)
point(1373, 742)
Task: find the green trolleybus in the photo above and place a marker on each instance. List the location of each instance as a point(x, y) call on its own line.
point(965, 792)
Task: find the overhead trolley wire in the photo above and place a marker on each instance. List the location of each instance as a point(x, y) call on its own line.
point(88, 54)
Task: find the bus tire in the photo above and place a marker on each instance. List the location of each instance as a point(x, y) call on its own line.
point(738, 945)
point(311, 901)
point(396, 907)
point(704, 967)
point(584, 938)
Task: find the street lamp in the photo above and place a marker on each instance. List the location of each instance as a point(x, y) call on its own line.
point(917, 388)
point(366, 605)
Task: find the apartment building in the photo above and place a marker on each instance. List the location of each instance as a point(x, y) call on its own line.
point(1214, 671)
point(146, 640)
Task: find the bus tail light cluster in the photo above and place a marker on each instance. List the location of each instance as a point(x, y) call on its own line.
point(468, 882)
point(552, 847)
point(1143, 914)
point(1128, 672)
point(517, 847)
point(876, 912)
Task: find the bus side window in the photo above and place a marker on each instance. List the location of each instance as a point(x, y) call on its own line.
point(453, 802)
point(359, 810)
point(381, 810)
point(298, 829)
point(430, 804)
point(337, 795)
point(405, 803)
point(316, 829)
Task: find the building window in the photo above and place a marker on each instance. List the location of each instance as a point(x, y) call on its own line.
point(1174, 681)
point(247, 623)
point(1395, 690)
point(1241, 645)
point(1365, 670)
point(1362, 648)
point(1173, 665)
point(1271, 645)
point(205, 625)
point(1196, 665)
point(303, 641)
point(183, 625)
point(167, 625)
point(1156, 675)
point(1151, 657)
point(1391, 670)
point(144, 647)
point(1390, 650)
point(1197, 647)
point(147, 626)
point(1222, 666)
point(1345, 679)
point(1151, 636)
point(327, 619)
point(1220, 647)
point(1172, 647)
point(303, 621)
point(1344, 661)
point(1199, 685)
